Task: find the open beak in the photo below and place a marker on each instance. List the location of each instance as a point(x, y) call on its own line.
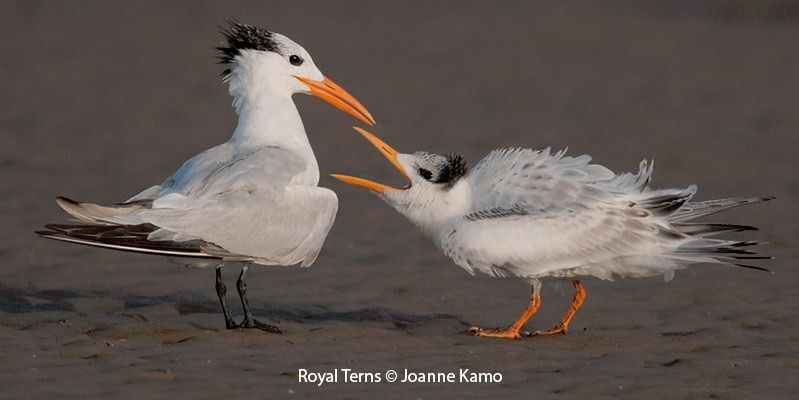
point(388, 152)
point(334, 94)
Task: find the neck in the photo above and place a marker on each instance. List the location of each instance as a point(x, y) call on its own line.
point(433, 214)
point(269, 119)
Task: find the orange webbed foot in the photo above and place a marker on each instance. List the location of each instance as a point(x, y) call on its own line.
point(507, 333)
point(559, 329)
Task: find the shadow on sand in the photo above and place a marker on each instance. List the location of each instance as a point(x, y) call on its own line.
point(17, 300)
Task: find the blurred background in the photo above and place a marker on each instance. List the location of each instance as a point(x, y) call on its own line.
point(101, 99)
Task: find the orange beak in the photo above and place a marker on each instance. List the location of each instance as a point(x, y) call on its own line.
point(387, 152)
point(334, 94)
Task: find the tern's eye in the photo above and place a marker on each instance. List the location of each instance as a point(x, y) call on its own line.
point(295, 60)
point(427, 175)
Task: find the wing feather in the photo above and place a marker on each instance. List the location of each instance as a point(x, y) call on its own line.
point(537, 213)
point(132, 238)
point(274, 227)
point(226, 167)
point(261, 205)
point(534, 178)
point(601, 242)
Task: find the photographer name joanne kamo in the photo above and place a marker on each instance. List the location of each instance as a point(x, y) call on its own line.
point(348, 375)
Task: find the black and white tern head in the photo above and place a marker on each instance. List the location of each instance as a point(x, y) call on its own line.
point(435, 191)
point(262, 62)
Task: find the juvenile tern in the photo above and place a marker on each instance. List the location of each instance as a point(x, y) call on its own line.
point(534, 214)
point(251, 200)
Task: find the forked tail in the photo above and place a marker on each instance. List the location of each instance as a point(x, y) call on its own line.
point(703, 248)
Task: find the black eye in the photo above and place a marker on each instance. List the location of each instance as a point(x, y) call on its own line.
point(295, 60)
point(427, 175)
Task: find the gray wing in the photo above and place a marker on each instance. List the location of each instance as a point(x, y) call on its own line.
point(538, 179)
point(601, 241)
point(266, 170)
point(271, 227)
point(226, 167)
point(277, 226)
point(261, 206)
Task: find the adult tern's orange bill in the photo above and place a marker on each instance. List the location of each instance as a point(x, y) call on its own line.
point(532, 214)
point(251, 200)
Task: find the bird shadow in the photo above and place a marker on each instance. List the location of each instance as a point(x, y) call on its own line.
point(15, 300)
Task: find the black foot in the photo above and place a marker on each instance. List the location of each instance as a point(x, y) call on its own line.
point(249, 321)
point(255, 324)
point(229, 324)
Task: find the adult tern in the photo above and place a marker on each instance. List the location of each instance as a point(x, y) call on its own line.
point(251, 200)
point(534, 214)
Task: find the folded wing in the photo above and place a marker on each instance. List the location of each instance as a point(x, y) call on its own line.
point(599, 241)
point(262, 206)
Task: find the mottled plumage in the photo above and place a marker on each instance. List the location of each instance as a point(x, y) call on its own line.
point(534, 214)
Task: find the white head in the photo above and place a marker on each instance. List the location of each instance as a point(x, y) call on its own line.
point(267, 63)
point(436, 191)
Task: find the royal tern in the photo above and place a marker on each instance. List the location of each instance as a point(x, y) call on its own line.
point(534, 214)
point(251, 200)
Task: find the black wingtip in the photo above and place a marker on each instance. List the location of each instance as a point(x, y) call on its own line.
point(746, 243)
point(754, 267)
point(56, 228)
point(62, 199)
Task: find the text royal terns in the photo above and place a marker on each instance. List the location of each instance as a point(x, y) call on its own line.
point(251, 200)
point(533, 214)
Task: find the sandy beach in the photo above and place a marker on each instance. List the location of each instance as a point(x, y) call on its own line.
point(102, 99)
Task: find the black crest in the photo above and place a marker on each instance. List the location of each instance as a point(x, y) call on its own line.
point(454, 169)
point(240, 37)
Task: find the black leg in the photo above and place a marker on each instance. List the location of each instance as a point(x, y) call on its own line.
point(249, 321)
point(221, 291)
point(241, 286)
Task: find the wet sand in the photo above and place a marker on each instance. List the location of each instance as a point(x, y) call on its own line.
point(105, 99)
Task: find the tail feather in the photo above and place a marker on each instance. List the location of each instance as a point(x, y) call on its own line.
point(695, 210)
point(752, 267)
point(95, 213)
point(666, 202)
point(701, 230)
point(724, 251)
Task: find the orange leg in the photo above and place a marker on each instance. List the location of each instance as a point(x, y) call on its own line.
point(511, 332)
point(563, 326)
